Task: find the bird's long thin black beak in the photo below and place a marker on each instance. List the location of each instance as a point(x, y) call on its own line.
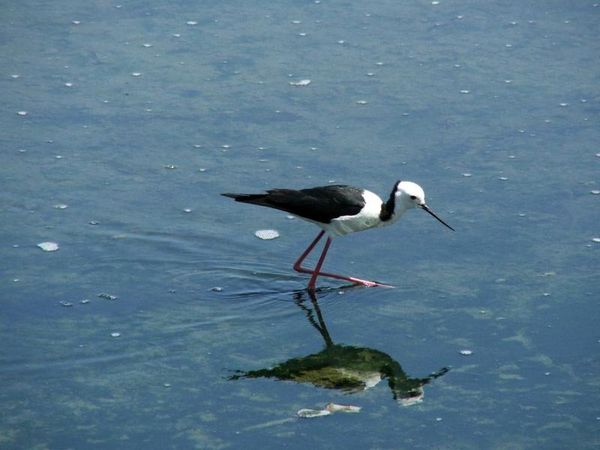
point(426, 208)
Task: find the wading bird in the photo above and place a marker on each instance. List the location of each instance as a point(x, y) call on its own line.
point(339, 210)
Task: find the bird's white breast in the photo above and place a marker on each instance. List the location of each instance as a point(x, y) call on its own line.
point(368, 217)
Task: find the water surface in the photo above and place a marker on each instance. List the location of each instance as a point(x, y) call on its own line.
point(136, 115)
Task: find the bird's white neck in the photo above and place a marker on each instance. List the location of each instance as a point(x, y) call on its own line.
point(396, 205)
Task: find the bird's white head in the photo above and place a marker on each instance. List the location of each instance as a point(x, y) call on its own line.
point(411, 195)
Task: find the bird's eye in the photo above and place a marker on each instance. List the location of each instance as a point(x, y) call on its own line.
point(414, 197)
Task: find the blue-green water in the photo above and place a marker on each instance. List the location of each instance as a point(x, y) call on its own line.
point(137, 114)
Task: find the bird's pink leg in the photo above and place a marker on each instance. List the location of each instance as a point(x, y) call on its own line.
point(298, 264)
point(313, 279)
point(317, 271)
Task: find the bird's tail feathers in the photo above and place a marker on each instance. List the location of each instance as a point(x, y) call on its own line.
point(257, 199)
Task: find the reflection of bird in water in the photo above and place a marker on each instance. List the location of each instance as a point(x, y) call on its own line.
point(346, 368)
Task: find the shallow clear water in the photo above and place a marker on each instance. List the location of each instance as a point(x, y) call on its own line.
point(137, 120)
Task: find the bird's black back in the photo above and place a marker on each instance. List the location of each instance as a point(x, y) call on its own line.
point(320, 204)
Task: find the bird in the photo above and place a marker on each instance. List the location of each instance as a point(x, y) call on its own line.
point(340, 210)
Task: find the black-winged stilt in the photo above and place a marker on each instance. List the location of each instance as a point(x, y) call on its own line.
point(340, 210)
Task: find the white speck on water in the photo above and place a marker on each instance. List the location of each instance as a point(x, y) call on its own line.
point(336, 407)
point(60, 206)
point(467, 174)
point(546, 294)
point(115, 334)
point(508, 45)
point(304, 82)
point(85, 301)
point(22, 113)
point(76, 22)
point(68, 84)
point(170, 166)
point(296, 22)
point(341, 42)
point(466, 352)
point(438, 419)
point(502, 178)
point(216, 289)
point(563, 104)
point(361, 102)
point(306, 413)
point(65, 303)
point(508, 81)
point(167, 385)
point(266, 234)
point(187, 210)
point(465, 91)
point(370, 74)
point(15, 76)
point(191, 22)
point(48, 246)
point(147, 45)
point(58, 156)
point(225, 146)
point(136, 74)
point(176, 35)
point(435, 2)
point(595, 192)
point(94, 222)
point(106, 296)
point(596, 239)
point(290, 217)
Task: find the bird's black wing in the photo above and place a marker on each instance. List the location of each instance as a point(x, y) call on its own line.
point(321, 204)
